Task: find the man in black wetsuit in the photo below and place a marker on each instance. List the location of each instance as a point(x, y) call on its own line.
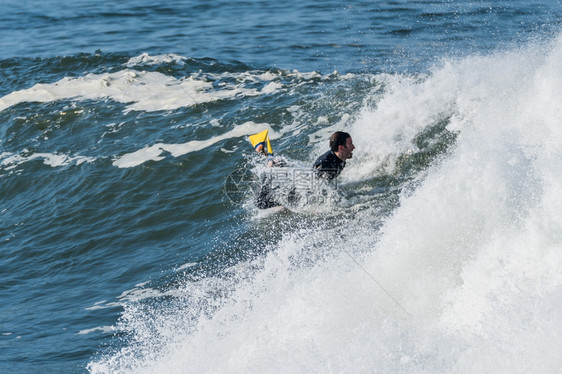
point(331, 163)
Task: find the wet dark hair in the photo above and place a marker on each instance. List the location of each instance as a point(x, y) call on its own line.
point(338, 138)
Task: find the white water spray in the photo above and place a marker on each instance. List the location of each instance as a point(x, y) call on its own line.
point(474, 252)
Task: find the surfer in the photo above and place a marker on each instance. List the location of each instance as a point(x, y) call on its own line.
point(331, 163)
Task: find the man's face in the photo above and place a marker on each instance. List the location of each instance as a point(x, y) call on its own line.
point(346, 150)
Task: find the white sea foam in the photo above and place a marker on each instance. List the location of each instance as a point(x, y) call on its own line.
point(146, 59)
point(10, 160)
point(144, 91)
point(156, 152)
point(150, 91)
point(140, 90)
point(186, 266)
point(95, 329)
point(471, 257)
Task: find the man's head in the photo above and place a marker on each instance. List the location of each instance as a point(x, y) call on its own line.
point(342, 145)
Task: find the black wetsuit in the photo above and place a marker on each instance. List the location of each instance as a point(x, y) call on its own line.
point(329, 166)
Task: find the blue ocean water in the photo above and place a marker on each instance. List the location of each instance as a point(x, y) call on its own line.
point(124, 250)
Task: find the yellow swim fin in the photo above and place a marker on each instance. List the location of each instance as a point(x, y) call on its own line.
point(262, 138)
